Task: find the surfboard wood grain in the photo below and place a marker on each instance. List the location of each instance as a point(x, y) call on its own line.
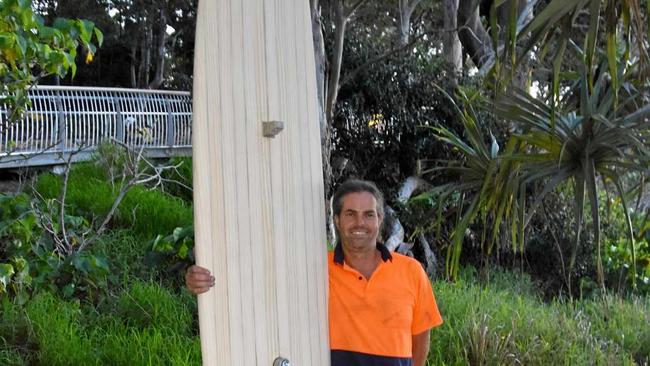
point(258, 201)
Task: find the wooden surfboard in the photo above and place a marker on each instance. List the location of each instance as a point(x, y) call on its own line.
point(258, 201)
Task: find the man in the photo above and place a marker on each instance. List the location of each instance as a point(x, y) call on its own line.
point(381, 305)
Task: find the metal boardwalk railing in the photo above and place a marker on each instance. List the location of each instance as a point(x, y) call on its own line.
point(74, 120)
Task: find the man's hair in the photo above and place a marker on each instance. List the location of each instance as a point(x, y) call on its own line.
point(356, 186)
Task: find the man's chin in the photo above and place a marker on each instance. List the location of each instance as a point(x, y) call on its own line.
point(360, 244)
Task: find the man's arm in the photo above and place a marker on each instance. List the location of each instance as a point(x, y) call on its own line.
point(421, 343)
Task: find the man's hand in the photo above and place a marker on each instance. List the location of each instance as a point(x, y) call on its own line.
point(421, 344)
point(198, 280)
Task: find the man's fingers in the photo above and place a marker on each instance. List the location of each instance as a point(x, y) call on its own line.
point(198, 279)
point(198, 270)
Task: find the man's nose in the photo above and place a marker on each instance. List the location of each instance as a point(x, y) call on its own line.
point(358, 220)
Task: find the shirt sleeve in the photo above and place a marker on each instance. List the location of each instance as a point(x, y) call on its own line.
point(425, 312)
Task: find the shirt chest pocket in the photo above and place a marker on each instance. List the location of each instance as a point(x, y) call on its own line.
point(396, 310)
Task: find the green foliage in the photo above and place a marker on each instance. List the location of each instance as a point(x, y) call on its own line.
point(146, 325)
point(146, 305)
point(375, 129)
point(491, 190)
point(504, 321)
point(618, 255)
point(15, 334)
point(585, 137)
point(147, 212)
point(29, 261)
point(27, 44)
point(613, 35)
point(150, 213)
point(180, 178)
point(59, 332)
point(126, 255)
point(175, 252)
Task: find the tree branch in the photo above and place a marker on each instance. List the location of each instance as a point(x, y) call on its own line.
point(352, 74)
point(354, 8)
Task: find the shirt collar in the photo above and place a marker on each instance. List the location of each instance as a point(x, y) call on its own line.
point(339, 257)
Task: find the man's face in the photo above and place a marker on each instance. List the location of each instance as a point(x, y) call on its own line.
point(358, 223)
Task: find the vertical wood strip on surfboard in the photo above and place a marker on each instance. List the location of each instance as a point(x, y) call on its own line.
point(258, 201)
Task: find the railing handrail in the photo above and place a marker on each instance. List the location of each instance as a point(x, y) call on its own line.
point(61, 119)
point(108, 89)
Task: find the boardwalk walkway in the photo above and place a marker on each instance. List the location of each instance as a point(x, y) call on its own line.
point(64, 120)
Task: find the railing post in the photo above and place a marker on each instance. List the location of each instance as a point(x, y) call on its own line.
point(170, 124)
point(119, 122)
point(61, 125)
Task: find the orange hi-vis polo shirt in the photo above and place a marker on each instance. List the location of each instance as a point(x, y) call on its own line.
point(372, 321)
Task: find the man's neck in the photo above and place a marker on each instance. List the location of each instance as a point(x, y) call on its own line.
point(365, 261)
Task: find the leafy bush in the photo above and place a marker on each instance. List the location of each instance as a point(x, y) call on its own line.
point(28, 259)
point(150, 212)
point(618, 256)
point(174, 252)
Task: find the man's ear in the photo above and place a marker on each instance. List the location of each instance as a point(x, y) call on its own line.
point(336, 221)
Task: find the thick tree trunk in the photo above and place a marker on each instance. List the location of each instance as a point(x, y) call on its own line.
point(473, 35)
point(394, 230)
point(325, 128)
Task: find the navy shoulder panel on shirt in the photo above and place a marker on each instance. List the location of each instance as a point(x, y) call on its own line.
point(349, 358)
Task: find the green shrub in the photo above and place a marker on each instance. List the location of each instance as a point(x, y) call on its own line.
point(174, 252)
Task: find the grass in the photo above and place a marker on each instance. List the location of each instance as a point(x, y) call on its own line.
point(144, 325)
point(505, 323)
point(146, 212)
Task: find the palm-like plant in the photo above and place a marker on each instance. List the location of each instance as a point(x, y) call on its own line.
point(585, 137)
point(488, 189)
point(593, 126)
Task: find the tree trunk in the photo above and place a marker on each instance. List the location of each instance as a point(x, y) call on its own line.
point(134, 77)
point(406, 10)
point(325, 128)
point(473, 36)
point(160, 51)
point(394, 230)
point(451, 43)
point(340, 22)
